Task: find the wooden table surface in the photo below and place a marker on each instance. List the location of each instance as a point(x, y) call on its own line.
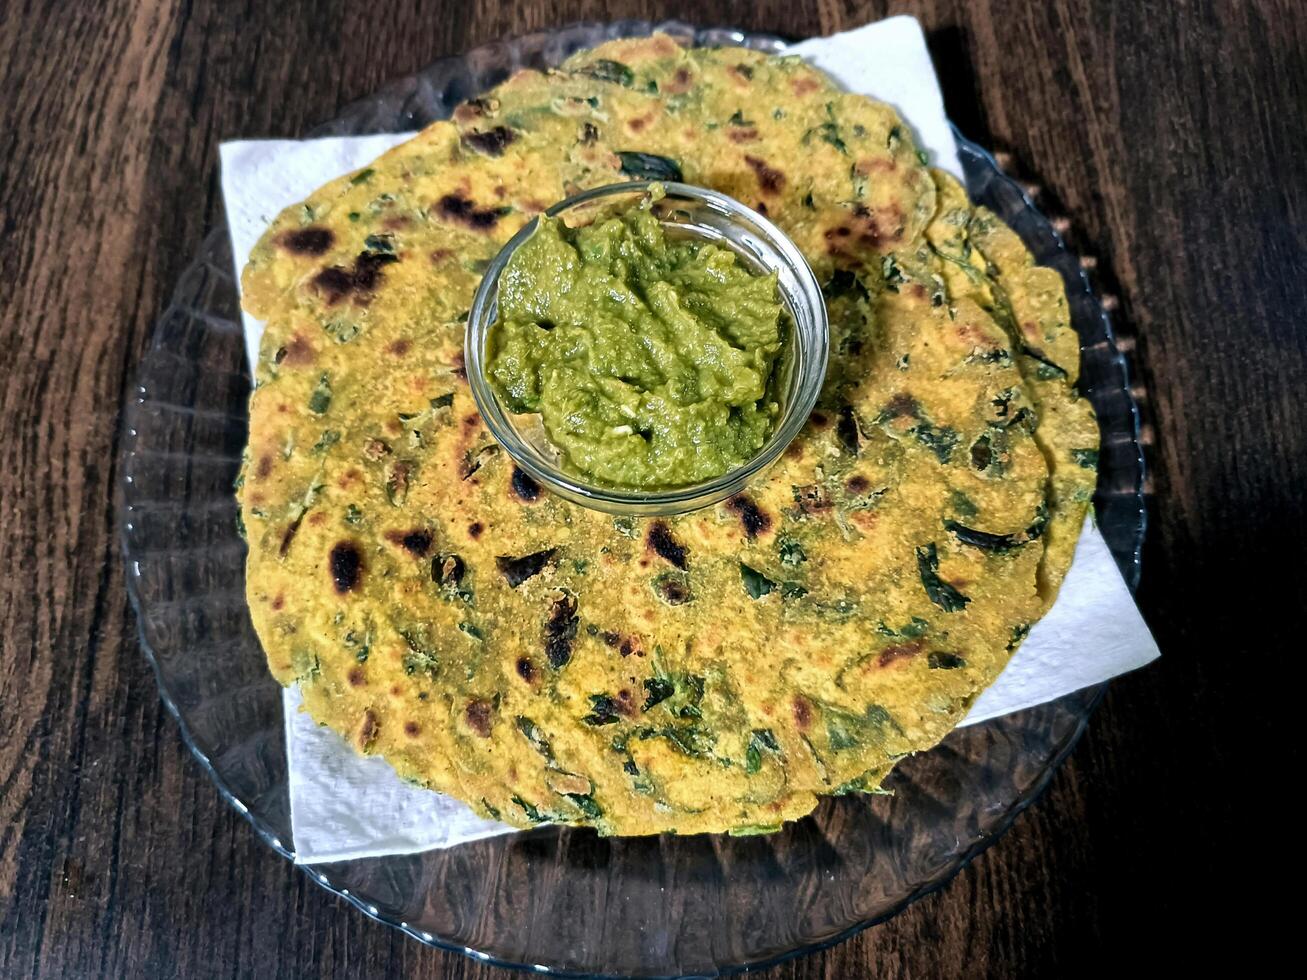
point(1171, 133)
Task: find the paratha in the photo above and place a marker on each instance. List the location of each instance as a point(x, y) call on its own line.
point(718, 671)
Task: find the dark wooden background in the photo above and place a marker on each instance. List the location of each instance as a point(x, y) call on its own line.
point(1172, 133)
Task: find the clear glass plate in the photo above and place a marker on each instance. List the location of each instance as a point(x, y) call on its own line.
point(559, 900)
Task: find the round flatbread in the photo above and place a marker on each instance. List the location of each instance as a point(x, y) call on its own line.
point(710, 672)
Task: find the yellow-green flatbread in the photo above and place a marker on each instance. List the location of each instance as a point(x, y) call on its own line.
point(711, 672)
point(986, 261)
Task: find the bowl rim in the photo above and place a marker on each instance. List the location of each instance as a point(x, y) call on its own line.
point(811, 360)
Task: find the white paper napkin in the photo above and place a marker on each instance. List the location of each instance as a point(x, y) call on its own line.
point(1092, 633)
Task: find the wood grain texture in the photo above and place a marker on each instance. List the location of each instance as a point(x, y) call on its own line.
point(1170, 133)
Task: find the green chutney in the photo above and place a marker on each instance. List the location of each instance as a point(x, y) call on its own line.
point(652, 361)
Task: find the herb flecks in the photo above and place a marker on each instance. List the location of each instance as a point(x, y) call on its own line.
point(532, 733)
point(320, 397)
point(760, 740)
point(997, 543)
point(604, 710)
point(791, 553)
point(757, 585)
point(560, 631)
point(649, 166)
point(939, 592)
point(904, 413)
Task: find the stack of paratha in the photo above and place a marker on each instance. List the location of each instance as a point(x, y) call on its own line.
point(715, 671)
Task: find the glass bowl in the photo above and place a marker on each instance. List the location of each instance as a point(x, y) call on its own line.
point(565, 901)
point(686, 211)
